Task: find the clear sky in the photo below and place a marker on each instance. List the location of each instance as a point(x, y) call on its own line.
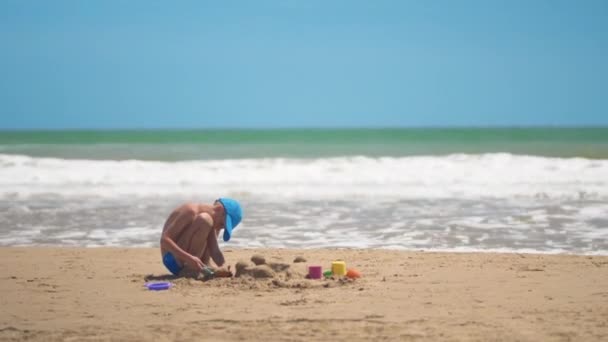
point(256, 64)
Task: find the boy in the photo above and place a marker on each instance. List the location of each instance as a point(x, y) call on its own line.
point(190, 234)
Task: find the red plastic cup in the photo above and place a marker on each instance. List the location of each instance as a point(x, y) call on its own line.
point(315, 272)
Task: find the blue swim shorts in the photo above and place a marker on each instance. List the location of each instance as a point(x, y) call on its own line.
point(171, 263)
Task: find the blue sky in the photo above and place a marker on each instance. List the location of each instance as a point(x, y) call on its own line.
point(256, 64)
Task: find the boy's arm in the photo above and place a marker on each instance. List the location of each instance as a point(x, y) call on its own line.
point(214, 250)
point(206, 256)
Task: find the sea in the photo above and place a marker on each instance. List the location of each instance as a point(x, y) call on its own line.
point(519, 190)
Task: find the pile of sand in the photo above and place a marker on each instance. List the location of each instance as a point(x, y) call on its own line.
point(258, 273)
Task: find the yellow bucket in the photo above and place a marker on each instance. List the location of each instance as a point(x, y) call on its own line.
point(338, 268)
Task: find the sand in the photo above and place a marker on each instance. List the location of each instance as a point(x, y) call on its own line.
point(74, 294)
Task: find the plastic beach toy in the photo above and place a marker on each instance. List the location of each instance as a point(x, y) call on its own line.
point(208, 273)
point(353, 273)
point(314, 272)
point(338, 268)
point(328, 274)
point(159, 286)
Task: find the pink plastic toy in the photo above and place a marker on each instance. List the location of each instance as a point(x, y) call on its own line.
point(315, 272)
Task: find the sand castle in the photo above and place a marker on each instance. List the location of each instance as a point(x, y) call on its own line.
point(251, 274)
point(261, 268)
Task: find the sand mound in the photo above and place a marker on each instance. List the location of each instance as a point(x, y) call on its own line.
point(278, 266)
point(240, 268)
point(299, 259)
point(260, 271)
point(262, 276)
point(243, 268)
point(258, 259)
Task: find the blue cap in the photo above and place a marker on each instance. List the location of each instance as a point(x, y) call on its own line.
point(234, 213)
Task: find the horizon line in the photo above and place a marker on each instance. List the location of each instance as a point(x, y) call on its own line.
point(319, 128)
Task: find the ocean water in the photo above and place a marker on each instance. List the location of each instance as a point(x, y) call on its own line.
point(479, 189)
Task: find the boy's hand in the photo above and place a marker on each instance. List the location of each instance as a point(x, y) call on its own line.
point(194, 263)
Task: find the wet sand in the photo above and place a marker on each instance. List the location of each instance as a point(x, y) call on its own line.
point(99, 294)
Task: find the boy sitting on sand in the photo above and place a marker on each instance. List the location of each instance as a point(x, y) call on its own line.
point(190, 234)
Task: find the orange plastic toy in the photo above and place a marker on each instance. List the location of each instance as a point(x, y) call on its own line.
point(353, 273)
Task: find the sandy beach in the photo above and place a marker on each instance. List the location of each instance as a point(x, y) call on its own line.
point(76, 294)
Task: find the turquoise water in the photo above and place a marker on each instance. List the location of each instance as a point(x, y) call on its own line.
point(170, 145)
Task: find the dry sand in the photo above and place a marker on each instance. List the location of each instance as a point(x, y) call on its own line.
point(98, 294)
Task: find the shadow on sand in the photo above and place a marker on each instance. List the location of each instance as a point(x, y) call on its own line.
point(152, 277)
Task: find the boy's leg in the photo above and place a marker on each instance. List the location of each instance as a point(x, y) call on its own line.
point(212, 251)
point(206, 257)
point(194, 238)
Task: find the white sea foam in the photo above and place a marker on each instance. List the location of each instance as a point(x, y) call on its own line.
point(492, 202)
point(453, 176)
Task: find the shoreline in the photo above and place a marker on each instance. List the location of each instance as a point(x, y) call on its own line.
point(57, 293)
point(530, 252)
